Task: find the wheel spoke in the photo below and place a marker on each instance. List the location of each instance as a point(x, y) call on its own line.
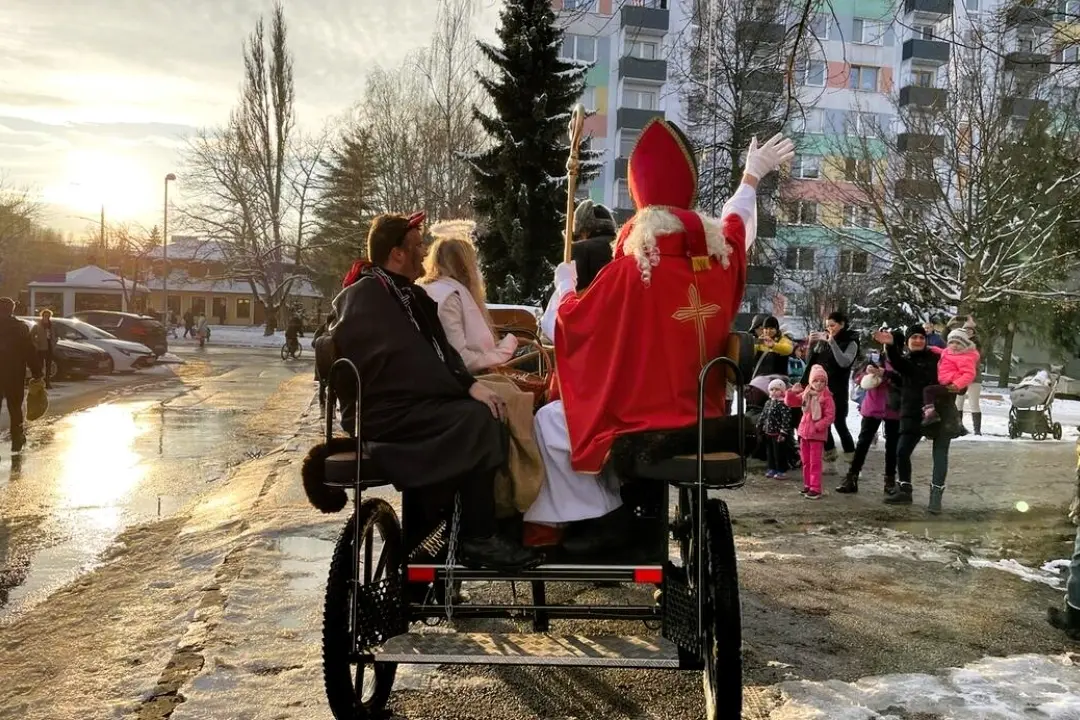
point(369, 548)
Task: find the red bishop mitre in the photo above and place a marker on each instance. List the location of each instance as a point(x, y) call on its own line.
point(662, 172)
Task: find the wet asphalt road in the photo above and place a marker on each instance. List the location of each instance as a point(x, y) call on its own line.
point(117, 458)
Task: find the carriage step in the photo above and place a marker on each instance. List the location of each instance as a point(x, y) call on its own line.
point(625, 651)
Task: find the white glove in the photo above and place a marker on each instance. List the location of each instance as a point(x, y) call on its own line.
point(760, 161)
point(565, 277)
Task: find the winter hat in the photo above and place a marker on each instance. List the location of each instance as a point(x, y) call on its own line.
point(771, 323)
point(960, 336)
point(777, 384)
point(593, 219)
point(914, 330)
point(818, 372)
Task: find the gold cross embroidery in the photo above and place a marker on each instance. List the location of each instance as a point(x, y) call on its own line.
point(698, 314)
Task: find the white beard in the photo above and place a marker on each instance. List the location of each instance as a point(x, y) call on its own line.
point(654, 222)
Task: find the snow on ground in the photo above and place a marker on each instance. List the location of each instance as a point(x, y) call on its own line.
point(1010, 688)
point(233, 336)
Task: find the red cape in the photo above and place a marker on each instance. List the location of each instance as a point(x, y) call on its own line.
point(628, 355)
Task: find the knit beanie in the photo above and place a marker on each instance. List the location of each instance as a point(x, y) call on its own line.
point(777, 384)
point(914, 330)
point(818, 372)
point(593, 219)
point(960, 336)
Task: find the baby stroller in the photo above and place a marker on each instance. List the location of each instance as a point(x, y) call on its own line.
point(1031, 410)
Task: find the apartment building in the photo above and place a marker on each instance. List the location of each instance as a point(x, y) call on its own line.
point(629, 43)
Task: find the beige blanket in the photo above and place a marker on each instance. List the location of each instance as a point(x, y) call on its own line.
point(516, 492)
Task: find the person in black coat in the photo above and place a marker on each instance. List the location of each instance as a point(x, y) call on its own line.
point(594, 235)
point(17, 354)
point(429, 427)
point(835, 349)
point(917, 367)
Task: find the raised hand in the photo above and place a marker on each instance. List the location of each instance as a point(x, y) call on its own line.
point(884, 337)
point(760, 161)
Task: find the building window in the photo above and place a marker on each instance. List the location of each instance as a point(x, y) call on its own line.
point(579, 47)
point(243, 309)
point(198, 306)
point(863, 77)
point(799, 258)
point(812, 74)
point(806, 167)
point(862, 123)
point(972, 5)
point(622, 195)
point(858, 216)
point(586, 5)
point(922, 78)
point(643, 49)
point(1069, 54)
point(627, 139)
point(923, 32)
point(868, 32)
point(588, 99)
point(858, 170)
point(819, 27)
point(811, 121)
point(802, 212)
point(639, 98)
point(856, 262)
point(1025, 44)
point(1071, 10)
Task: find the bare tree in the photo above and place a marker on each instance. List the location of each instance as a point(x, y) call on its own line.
point(252, 181)
point(952, 201)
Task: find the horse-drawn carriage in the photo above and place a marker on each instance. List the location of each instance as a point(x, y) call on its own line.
point(392, 576)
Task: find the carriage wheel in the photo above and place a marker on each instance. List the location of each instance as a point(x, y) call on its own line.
point(1057, 431)
point(1014, 431)
point(722, 633)
point(357, 688)
point(1039, 435)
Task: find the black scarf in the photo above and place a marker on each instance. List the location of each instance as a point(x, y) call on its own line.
point(404, 291)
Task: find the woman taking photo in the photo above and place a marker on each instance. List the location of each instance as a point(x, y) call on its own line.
point(835, 349)
point(452, 279)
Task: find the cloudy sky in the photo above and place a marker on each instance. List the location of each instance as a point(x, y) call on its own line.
point(97, 95)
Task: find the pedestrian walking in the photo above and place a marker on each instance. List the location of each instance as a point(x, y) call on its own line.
point(818, 413)
point(774, 424)
point(880, 406)
point(17, 354)
point(835, 350)
point(189, 324)
point(44, 338)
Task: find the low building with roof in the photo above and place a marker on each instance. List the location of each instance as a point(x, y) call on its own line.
point(87, 288)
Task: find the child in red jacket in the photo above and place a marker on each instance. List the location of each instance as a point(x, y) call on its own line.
point(957, 366)
point(819, 413)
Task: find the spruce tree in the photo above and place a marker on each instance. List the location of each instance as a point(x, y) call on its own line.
point(347, 204)
point(520, 195)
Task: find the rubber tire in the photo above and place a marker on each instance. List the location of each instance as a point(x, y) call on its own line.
point(337, 669)
point(1056, 430)
point(285, 351)
point(1040, 435)
point(722, 677)
point(112, 366)
point(1014, 431)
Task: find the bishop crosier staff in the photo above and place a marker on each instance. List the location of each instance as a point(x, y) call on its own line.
point(573, 166)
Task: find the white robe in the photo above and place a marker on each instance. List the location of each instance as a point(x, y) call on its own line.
point(567, 495)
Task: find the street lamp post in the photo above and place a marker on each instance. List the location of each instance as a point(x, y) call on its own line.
point(165, 254)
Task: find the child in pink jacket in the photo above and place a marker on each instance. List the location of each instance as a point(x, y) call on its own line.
point(819, 412)
point(957, 367)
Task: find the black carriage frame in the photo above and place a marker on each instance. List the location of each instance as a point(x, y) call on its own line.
point(688, 592)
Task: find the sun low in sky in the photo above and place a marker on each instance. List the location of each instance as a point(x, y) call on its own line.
point(97, 96)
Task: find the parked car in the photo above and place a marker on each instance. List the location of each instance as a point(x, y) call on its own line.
point(77, 360)
point(129, 326)
point(125, 355)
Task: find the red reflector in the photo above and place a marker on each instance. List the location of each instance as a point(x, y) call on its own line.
point(648, 576)
point(420, 574)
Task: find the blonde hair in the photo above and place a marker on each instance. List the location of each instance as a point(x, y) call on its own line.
point(454, 256)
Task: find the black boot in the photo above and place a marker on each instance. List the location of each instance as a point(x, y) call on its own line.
point(497, 553)
point(1067, 619)
point(890, 484)
point(902, 496)
point(590, 537)
point(18, 441)
point(976, 422)
point(936, 491)
point(849, 485)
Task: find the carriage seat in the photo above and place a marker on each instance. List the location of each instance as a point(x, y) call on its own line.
point(340, 471)
point(722, 469)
